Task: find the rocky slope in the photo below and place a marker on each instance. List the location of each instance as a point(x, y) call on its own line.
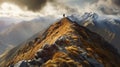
point(64, 44)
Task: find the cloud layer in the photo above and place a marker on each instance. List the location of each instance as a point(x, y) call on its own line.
point(108, 7)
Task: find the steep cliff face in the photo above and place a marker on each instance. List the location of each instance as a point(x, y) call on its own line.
point(64, 44)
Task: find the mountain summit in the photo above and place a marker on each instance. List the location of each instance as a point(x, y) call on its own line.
point(64, 44)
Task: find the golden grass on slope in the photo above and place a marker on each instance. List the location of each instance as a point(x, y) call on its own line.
point(73, 50)
point(99, 46)
point(53, 33)
point(61, 59)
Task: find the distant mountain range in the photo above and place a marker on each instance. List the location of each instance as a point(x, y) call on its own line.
point(4, 25)
point(18, 33)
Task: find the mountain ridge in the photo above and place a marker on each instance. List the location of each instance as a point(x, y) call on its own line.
point(66, 43)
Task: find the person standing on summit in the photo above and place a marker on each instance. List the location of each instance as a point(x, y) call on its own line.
point(63, 15)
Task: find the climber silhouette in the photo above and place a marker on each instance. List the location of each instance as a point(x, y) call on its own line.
point(63, 15)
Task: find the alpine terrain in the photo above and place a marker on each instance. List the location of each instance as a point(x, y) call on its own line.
point(64, 44)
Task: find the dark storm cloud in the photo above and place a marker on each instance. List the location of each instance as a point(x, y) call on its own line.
point(116, 2)
point(33, 5)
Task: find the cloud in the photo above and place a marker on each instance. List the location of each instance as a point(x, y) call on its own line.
point(64, 8)
point(108, 11)
point(109, 7)
point(33, 5)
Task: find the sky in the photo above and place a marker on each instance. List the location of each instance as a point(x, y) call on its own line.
point(30, 9)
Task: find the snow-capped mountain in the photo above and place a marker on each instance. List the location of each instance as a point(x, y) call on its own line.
point(106, 26)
